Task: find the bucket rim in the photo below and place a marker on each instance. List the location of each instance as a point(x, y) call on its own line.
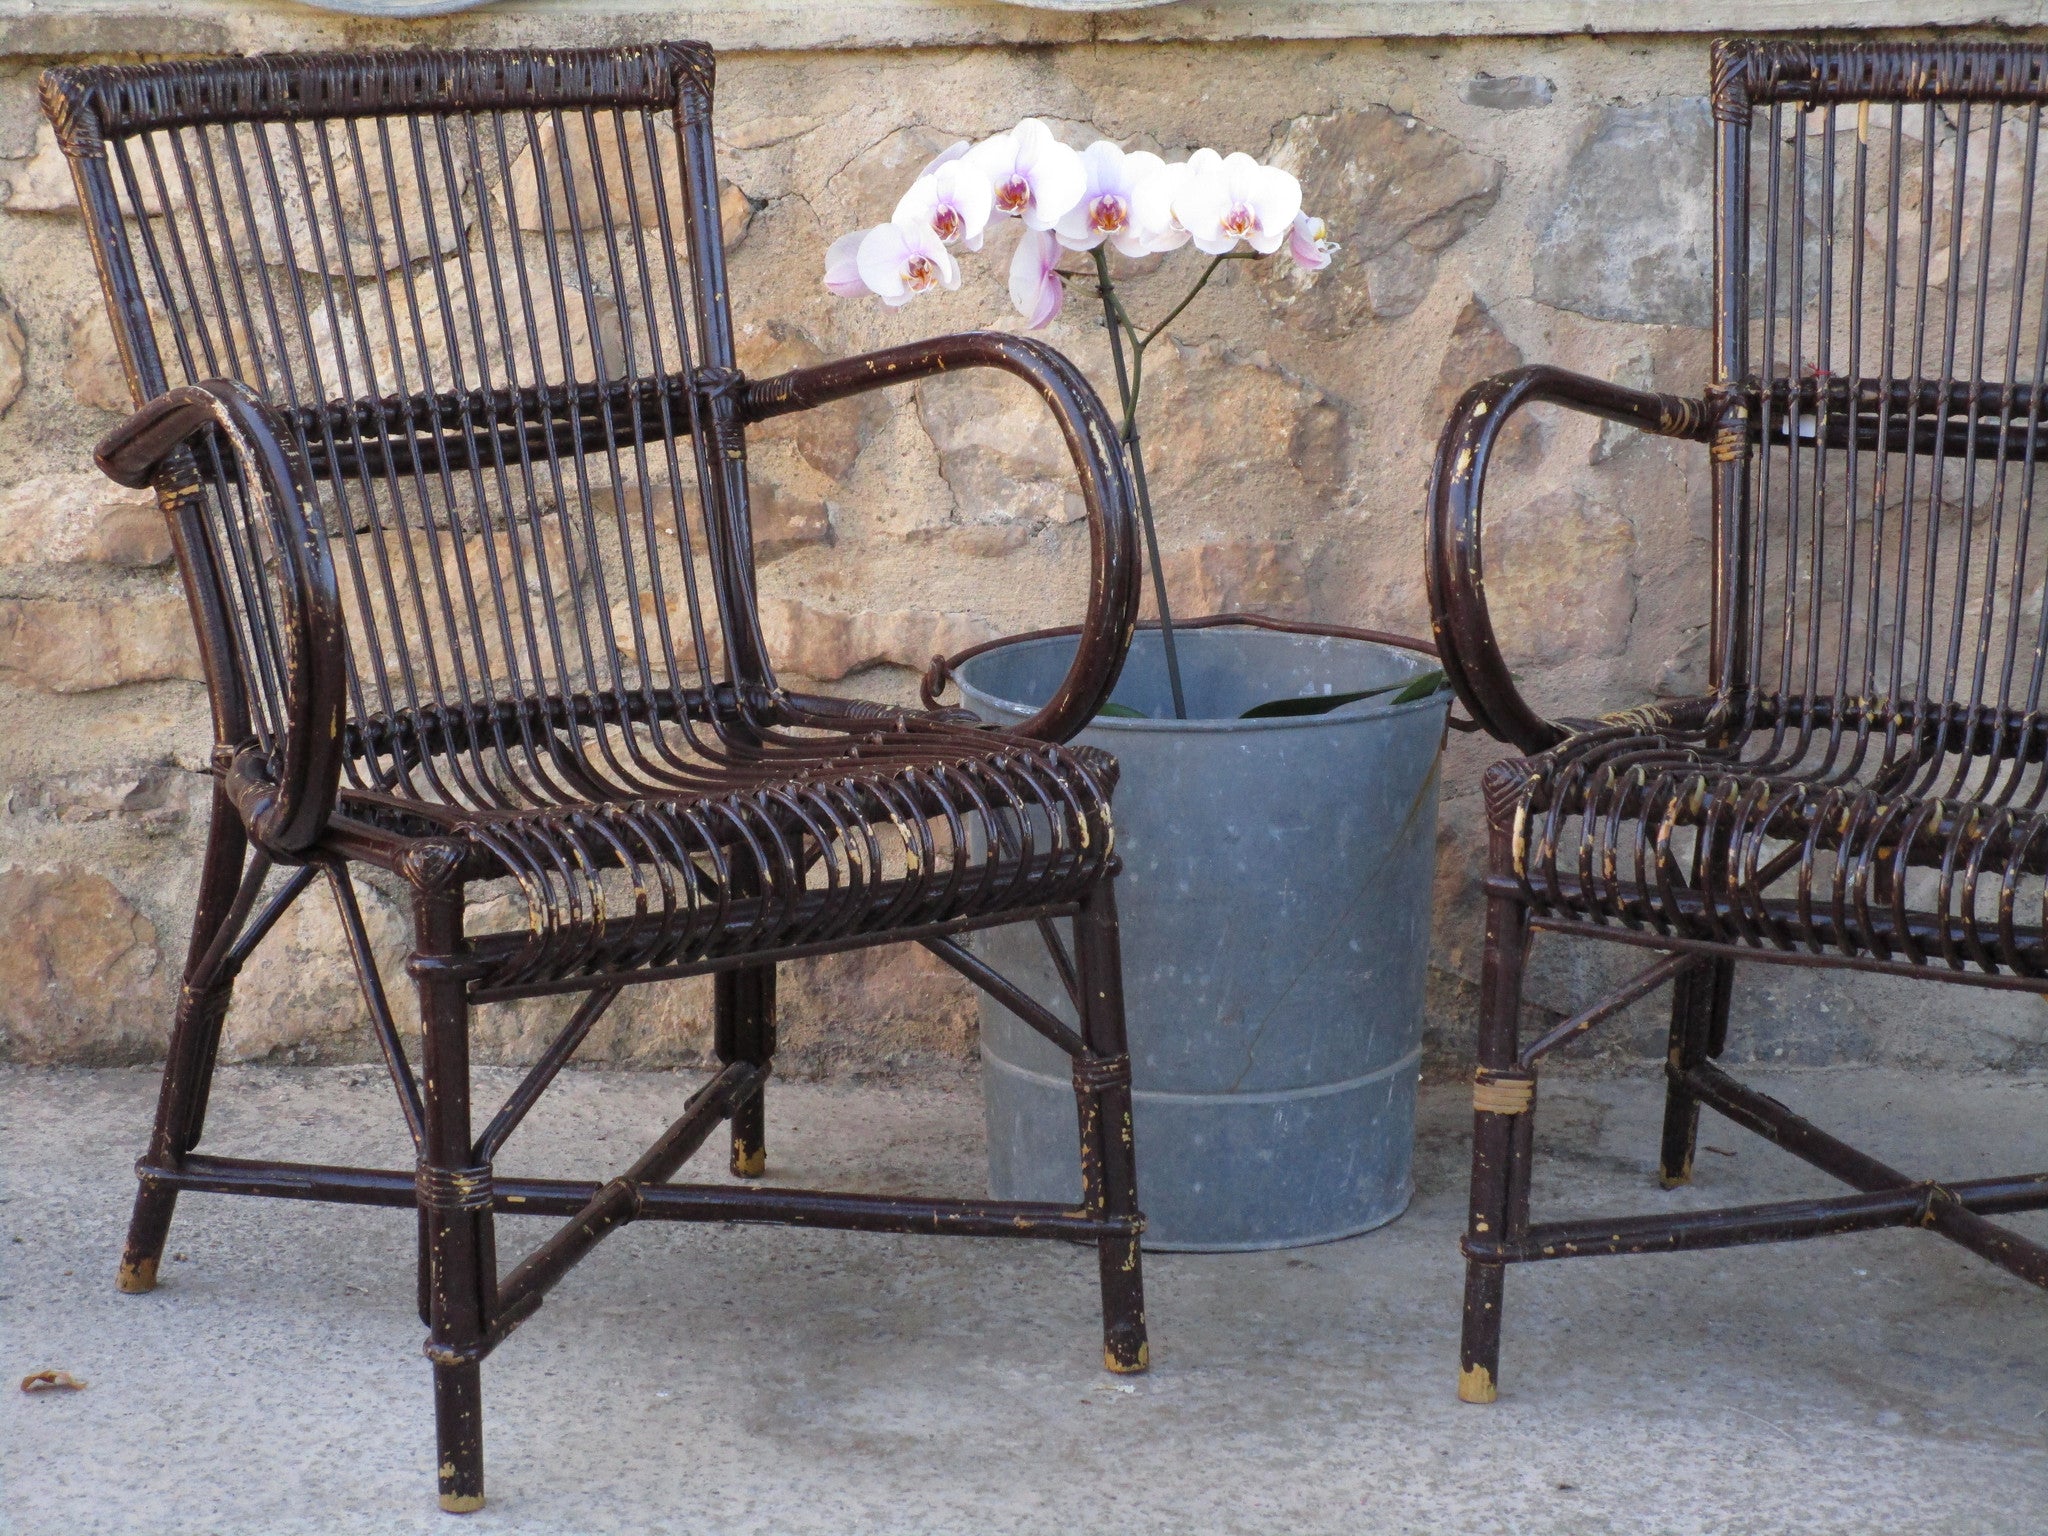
point(1359, 712)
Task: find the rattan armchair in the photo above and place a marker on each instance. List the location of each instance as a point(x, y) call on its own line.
point(434, 374)
point(1862, 784)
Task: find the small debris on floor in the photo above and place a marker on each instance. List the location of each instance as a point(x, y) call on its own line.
point(51, 1381)
point(1722, 1151)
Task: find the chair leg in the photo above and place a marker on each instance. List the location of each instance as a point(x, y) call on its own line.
point(454, 1195)
point(194, 1044)
point(1102, 1089)
point(744, 1030)
point(1502, 1121)
point(1699, 1028)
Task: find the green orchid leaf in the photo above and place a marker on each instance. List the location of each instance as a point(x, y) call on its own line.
point(1116, 711)
point(1423, 686)
point(1322, 703)
point(1314, 704)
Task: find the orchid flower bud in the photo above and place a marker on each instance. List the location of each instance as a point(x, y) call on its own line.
point(1309, 243)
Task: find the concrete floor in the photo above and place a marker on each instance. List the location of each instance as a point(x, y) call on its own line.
point(755, 1380)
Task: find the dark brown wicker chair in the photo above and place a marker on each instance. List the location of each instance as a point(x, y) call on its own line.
point(435, 381)
point(1862, 785)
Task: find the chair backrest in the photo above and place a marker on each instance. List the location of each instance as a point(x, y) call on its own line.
point(1881, 300)
point(487, 290)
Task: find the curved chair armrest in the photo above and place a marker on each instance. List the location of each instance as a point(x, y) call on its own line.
point(1112, 612)
point(285, 794)
point(1457, 594)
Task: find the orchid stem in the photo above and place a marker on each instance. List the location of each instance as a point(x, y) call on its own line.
point(1128, 383)
point(1173, 314)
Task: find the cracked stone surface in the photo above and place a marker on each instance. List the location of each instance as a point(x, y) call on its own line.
point(760, 1380)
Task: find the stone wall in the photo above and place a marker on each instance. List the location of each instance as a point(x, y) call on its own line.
point(1499, 201)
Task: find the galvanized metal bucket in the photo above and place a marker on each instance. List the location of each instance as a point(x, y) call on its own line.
point(1275, 899)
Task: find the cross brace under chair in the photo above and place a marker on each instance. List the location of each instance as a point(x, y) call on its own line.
point(434, 374)
point(1861, 784)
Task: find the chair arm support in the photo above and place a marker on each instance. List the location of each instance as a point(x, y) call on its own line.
point(1457, 595)
point(1112, 611)
point(286, 789)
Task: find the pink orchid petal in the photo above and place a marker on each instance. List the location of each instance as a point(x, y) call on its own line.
point(881, 256)
point(1152, 207)
point(1035, 286)
point(842, 266)
point(1275, 198)
point(900, 261)
point(1309, 244)
point(1057, 183)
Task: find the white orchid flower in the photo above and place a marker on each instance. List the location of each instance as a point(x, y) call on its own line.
point(951, 198)
point(1309, 243)
point(1152, 200)
point(900, 261)
point(1035, 286)
point(1105, 211)
point(1033, 174)
point(842, 266)
point(1235, 200)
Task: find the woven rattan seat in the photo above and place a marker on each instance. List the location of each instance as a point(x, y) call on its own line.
point(866, 825)
point(1860, 840)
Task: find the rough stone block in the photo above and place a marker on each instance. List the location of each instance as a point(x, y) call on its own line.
point(298, 1000)
point(81, 519)
point(1395, 192)
point(156, 798)
point(1478, 349)
point(13, 357)
point(81, 976)
point(830, 437)
point(44, 183)
point(359, 237)
point(815, 642)
point(535, 355)
point(68, 645)
point(999, 449)
point(1249, 576)
point(785, 522)
point(92, 363)
point(1631, 235)
point(1558, 583)
point(1227, 434)
point(867, 187)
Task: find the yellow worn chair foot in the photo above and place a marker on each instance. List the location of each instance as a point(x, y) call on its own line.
point(462, 1503)
point(1475, 1385)
point(1135, 1367)
point(749, 1162)
point(138, 1277)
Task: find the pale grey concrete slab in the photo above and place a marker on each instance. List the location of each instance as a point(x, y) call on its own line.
point(756, 1380)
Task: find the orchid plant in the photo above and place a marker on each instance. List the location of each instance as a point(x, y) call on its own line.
point(1068, 201)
